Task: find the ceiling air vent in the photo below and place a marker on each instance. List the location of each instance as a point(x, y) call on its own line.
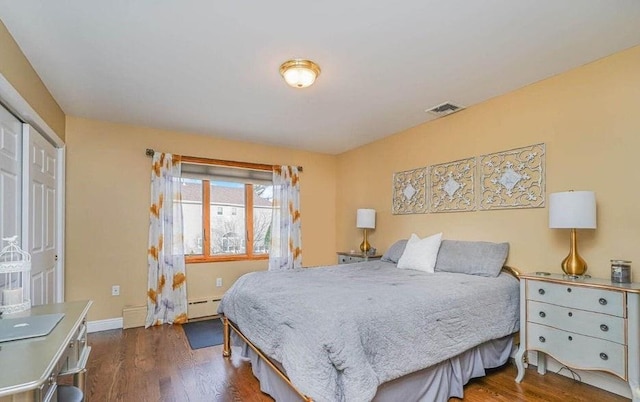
point(444, 109)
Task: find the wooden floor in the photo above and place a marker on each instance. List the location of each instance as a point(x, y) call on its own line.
point(157, 364)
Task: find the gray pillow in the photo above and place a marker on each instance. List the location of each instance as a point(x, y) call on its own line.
point(395, 251)
point(472, 257)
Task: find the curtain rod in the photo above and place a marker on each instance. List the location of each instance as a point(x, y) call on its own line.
point(221, 162)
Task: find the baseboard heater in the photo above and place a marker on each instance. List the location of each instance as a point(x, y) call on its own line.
point(198, 308)
point(135, 316)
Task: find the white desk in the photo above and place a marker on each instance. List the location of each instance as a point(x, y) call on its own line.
point(29, 368)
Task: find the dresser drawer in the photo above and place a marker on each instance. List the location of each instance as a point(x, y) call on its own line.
point(590, 299)
point(603, 326)
point(348, 259)
point(578, 351)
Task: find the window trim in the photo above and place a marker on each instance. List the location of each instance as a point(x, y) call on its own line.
point(206, 228)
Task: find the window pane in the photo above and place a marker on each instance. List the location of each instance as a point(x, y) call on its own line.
point(262, 209)
point(192, 216)
point(228, 233)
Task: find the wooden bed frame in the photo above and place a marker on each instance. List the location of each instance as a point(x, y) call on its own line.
point(228, 326)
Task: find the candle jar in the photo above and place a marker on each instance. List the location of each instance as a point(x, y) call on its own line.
point(620, 271)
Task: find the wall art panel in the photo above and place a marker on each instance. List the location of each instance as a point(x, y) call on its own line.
point(409, 192)
point(512, 179)
point(452, 186)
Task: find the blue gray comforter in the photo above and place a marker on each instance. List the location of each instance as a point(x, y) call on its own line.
point(341, 331)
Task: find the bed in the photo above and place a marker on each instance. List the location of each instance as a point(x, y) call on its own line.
point(370, 331)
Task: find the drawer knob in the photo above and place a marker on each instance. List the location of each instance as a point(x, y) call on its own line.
point(569, 290)
point(544, 340)
point(570, 338)
point(602, 301)
point(542, 314)
point(541, 291)
point(570, 314)
point(604, 327)
point(604, 356)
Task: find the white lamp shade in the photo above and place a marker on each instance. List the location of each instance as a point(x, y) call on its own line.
point(572, 210)
point(366, 219)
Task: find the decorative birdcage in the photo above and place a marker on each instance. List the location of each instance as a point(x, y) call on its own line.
point(15, 267)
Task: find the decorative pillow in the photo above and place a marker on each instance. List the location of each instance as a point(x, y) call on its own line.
point(472, 257)
point(420, 254)
point(395, 251)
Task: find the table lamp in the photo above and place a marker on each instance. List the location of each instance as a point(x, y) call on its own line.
point(366, 219)
point(573, 210)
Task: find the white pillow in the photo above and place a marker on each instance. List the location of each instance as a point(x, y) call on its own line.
point(421, 254)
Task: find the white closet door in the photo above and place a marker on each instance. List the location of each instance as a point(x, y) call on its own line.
point(10, 175)
point(42, 217)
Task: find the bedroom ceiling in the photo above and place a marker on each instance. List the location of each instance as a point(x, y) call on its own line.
point(211, 67)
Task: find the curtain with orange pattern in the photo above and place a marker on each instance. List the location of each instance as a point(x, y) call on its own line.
point(286, 239)
point(167, 290)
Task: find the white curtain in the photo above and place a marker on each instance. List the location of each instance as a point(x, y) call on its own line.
point(286, 242)
point(167, 290)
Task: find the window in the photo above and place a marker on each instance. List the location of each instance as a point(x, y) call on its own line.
point(210, 235)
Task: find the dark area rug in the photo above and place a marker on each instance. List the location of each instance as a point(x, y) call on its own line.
point(202, 334)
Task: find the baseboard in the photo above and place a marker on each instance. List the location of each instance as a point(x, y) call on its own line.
point(598, 379)
point(104, 325)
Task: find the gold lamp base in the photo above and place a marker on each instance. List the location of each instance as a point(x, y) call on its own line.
point(365, 246)
point(573, 265)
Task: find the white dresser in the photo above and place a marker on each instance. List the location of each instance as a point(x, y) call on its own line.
point(585, 323)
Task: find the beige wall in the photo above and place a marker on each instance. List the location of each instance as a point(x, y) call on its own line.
point(589, 119)
point(108, 203)
point(15, 67)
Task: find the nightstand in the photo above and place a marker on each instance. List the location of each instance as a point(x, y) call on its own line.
point(346, 257)
point(584, 323)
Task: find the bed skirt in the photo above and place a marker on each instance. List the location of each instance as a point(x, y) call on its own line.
point(432, 384)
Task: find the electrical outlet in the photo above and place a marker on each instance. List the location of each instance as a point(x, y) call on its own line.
point(219, 282)
point(115, 290)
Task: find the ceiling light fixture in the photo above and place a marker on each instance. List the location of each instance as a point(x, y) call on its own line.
point(299, 73)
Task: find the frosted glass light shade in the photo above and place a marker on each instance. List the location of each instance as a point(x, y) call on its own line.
point(299, 73)
point(366, 219)
point(572, 210)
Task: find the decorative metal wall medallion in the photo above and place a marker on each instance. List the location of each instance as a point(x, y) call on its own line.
point(409, 192)
point(452, 186)
point(512, 179)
